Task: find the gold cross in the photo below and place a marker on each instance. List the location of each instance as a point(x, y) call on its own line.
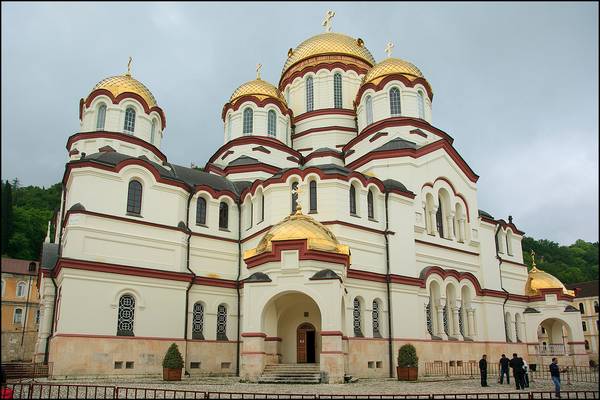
point(129, 66)
point(297, 191)
point(327, 21)
point(532, 259)
point(388, 49)
point(258, 67)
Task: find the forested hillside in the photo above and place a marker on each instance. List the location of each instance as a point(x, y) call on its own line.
point(27, 210)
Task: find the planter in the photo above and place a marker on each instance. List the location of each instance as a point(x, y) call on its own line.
point(171, 374)
point(407, 373)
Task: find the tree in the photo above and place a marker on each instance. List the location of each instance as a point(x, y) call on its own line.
point(7, 215)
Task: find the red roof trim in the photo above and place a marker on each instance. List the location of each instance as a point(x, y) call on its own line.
point(342, 64)
point(324, 111)
point(315, 68)
point(259, 140)
point(303, 254)
point(324, 153)
point(394, 77)
point(116, 136)
point(323, 129)
point(446, 247)
point(442, 178)
point(260, 103)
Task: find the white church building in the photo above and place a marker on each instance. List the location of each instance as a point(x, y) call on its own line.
point(335, 224)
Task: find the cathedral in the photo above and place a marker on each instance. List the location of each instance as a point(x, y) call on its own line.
point(335, 224)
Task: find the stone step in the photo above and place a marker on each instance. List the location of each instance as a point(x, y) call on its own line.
point(291, 373)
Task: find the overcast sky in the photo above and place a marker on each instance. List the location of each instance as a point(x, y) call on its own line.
point(516, 84)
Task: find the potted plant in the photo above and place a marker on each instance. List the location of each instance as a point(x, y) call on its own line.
point(408, 363)
point(172, 364)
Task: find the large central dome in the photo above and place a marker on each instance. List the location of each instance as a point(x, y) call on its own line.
point(126, 84)
point(329, 44)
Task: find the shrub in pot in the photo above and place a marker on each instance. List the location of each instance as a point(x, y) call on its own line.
point(172, 364)
point(408, 363)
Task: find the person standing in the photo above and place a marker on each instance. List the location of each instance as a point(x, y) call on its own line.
point(555, 375)
point(504, 369)
point(525, 373)
point(516, 363)
point(483, 370)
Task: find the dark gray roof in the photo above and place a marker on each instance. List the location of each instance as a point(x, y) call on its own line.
point(587, 289)
point(394, 184)
point(257, 277)
point(397, 144)
point(485, 214)
point(49, 255)
point(570, 308)
point(77, 207)
point(530, 310)
point(327, 168)
point(242, 185)
point(322, 149)
point(325, 274)
point(244, 160)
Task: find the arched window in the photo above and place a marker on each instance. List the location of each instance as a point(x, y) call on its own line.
point(439, 219)
point(101, 117)
point(271, 124)
point(356, 318)
point(337, 90)
point(352, 200)
point(21, 292)
point(369, 106)
point(309, 94)
point(587, 345)
point(153, 131)
point(262, 206)
point(134, 198)
point(287, 95)
point(394, 101)
point(228, 127)
point(421, 104)
point(248, 121)
point(37, 316)
point(251, 216)
point(201, 211)
point(581, 308)
point(584, 326)
point(198, 321)
point(370, 205)
point(223, 215)
point(508, 327)
point(596, 308)
point(509, 243)
point(222, 322)
point(294, 197)
point(313, 196)
point(376, 332)
point(18, 316)
point(129, 125)
point(126, 315)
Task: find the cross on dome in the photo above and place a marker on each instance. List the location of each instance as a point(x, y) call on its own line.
point(258, 67)
point(297, 191)
point(327, 21)
point(129, 66)
point(388, 49)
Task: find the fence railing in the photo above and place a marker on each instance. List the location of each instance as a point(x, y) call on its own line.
point(27, 370)
point(551, 349)
point(72, 391)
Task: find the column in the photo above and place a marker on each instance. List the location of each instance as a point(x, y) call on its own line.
point(332, 356)
point(471, 325)
point(433, 220)
point(461, 230)
point(450, 224)
point(252, 355)
point(455, 326)
point(440, 319)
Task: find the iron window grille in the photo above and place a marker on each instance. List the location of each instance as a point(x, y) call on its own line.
point(198, 322)
point(126, 316)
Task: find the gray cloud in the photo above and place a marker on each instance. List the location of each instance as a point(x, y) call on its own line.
point(516, 84)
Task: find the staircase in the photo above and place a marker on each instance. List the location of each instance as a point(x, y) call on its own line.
point(291, 373)
point(18, 370)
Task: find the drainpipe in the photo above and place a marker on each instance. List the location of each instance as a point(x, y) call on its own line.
point(237, 286)
point(26, 311)
point(187, 265)
point(387, 282)
point(502, 287)
point(62, 219)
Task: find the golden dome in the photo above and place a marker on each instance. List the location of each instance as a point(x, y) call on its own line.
point(539, 279)
point(259, 88)
point(299, 227)
point(391, 66)
point(329, 43)
point(125, 83)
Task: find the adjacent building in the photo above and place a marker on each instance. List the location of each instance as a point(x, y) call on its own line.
point(20, 309)
point(586, 301)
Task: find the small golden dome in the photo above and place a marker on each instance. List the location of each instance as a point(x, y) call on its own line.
point(539, 279)
point(259, 88)
point(391, 66)
point(299, 227)
point(329, 43)
point(125, 83)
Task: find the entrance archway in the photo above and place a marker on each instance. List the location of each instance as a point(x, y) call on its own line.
point(553, 336)
point(306, 343)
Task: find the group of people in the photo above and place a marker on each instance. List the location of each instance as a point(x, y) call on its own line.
point(520, 372)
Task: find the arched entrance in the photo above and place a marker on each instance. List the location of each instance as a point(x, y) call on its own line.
point(553, 336)
point(306, 343)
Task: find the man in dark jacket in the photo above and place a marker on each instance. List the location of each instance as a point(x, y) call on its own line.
point(504, 369)
point(555, 375)
point(483, 370)
point(516, 363)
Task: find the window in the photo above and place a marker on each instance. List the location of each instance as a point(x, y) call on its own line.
point(337, 90)
point(313, 196)
point(356, 319)
point(375, 313)
point(228, 127)
point(21, 289)
point(294, 196)
point(201, 211)
point(101, 117)
point(153, 131)
point(394, 101)
point(248, 116)
point(134, 198)
point(421, 104)
point(223, 215)
point(543, 330)
point(309, 94)
point(222, 322)
point(587, 345)
point(129, 125)
point(129, 364)
point(3, 284)
point(198, 321)
point(125, 316)
point(287, 95)
point(370, 206)
point(118, 364)
point(18, 317)
point(37, 317)
point(369, 105)
point(195, 364)
point(251, 216)
point(272, 123)
point(581, 309)
point(439, 219)
point(262, 207)
point(509, 243)
point(596, 308)
point(352, 200)
point(584, 326)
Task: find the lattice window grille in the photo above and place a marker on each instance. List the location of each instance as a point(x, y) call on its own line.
point(461, 325)
point(445, 316)
point(198, 322)
point(428, 318)
point(126, 315)
point(376, 332)
point(356, 318)
point(222, 323)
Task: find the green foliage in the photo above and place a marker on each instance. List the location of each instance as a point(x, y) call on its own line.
point(173, 358)
point(407, 356)
point(7, 215)
point(570, 264)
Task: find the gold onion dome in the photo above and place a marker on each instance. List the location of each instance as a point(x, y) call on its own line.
point(329, 43)
point(125, 83)
point(539, 279)
point(299, 227)
point(258, 88)
point(391, 66)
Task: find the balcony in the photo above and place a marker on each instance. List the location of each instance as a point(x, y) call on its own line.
point(551, 349)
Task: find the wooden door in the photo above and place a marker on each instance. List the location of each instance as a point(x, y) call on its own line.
point(301, 342)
